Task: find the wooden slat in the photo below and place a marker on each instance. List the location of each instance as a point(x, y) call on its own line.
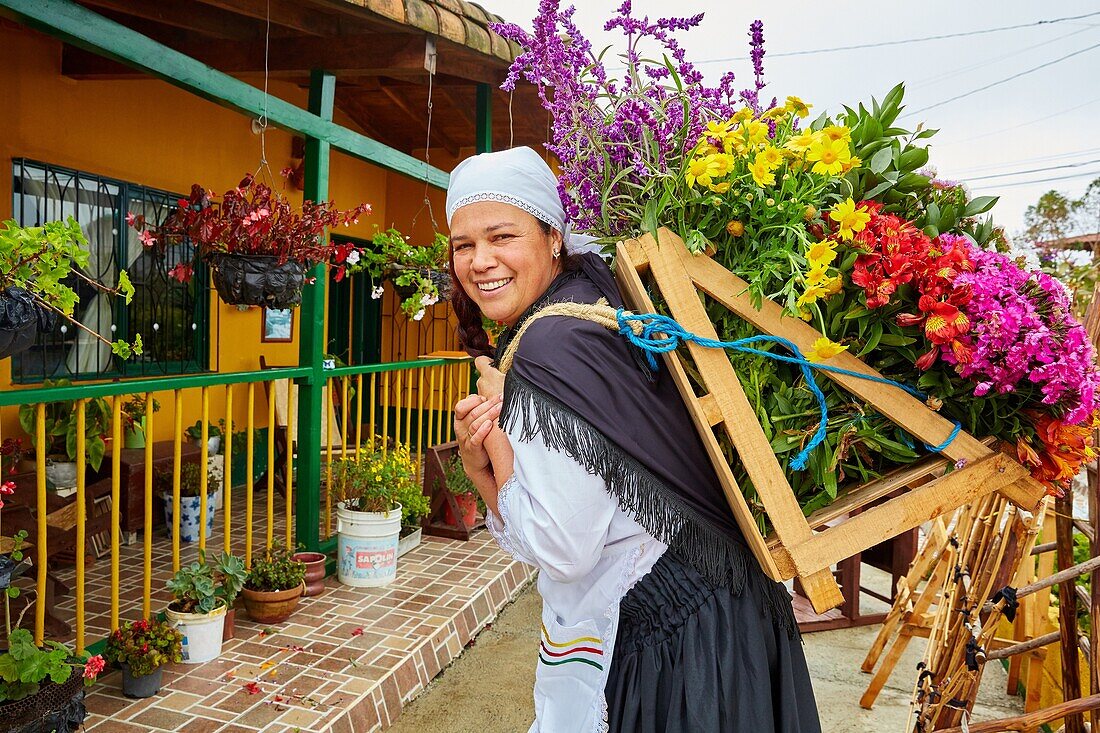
point(634, 290)
point(904, 409)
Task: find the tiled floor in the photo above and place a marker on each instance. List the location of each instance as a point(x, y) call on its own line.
point(347, 660)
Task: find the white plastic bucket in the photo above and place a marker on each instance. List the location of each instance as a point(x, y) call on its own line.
point(202, 633)
point(189, 516)
point(367, 546)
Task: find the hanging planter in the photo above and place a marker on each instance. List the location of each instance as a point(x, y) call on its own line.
point(21, 319)
point(258, 280)
point(53, 708)
point(419, 272)
point(257, 245)
point(35, 262)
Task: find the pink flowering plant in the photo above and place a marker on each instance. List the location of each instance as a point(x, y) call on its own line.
point(840, 220)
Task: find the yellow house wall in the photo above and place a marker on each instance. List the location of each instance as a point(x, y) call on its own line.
point(149, 132)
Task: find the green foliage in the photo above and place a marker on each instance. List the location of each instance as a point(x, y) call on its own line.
point(414, 503)
point(40, 259)
point(24, 667)
point(133, 410)
point(202, 587)
point(144, 646)
point(275, 570)
point(408, 266)
point(375, 481)
point(61, 428)
point(190, 480)
point(456, 479)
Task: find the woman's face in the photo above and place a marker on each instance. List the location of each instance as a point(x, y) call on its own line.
point(502, 257)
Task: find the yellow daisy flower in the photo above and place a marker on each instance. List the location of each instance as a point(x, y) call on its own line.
point(700, 170)
point(798, 107)
point(838, 133)
point(821, 253)
point(743, 114)
point(811, 296)
point(849, 218)
point(761, 173)
point(818, 275)
point(801, 142)
point(720, 187)
point(723, 164)
point(771, 156)
point(824, 349)
point(754, 132)
point(828, 157)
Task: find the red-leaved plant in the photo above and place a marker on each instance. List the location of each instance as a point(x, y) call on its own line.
point(250, 220)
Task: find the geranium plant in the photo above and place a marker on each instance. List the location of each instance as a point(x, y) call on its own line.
point(35, 262)
point(133, 411)
point(417, 271)
point(836, 218)
point(145, 646)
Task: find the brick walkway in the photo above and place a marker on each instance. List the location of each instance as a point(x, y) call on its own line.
point(347, 660)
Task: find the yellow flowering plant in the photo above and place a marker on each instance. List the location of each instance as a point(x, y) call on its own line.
point(375, 480)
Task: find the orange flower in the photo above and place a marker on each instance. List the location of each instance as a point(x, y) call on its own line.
point(1063, 449)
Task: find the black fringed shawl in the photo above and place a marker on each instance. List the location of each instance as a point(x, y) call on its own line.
point(588, 393)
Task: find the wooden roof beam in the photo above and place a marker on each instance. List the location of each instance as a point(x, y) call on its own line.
point(290, 14)
point(181, 14)
point(421, 118)
point(389, 53)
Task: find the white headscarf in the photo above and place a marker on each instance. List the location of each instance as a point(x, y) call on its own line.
point(519, 177)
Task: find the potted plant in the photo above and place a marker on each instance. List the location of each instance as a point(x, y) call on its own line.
point(213, 435)
point(368, 515)
point(415, 505)
point(61, 434)
point(201, 595)
point(275, 583)
point(257, 246)
point(466, 497)
point(314, 563)
point(38, 690)
point(141, 649)
point(190, 507)
point(34, 263)
point(133, 421)
point(418, 272)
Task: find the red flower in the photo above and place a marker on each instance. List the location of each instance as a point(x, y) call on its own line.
point(357, 631)
point(252, 688)
point(130, 218)
point(7, 488)
point(182, 272)
point(93, 667)
point(926, 360)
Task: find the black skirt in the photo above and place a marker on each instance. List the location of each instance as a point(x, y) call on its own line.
point(691, 657)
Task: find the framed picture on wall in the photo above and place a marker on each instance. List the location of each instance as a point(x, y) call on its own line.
point(278, 325)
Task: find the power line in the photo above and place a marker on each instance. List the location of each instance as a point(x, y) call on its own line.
point(1035, 170)
point(1040, 180)
point(1011, 163)
point(905, 40)
point(1035, 121)
point(958, 72)
point(1002, 81)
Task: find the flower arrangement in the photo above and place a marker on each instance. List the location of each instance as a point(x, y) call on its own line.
point(275, 570)
point(145, 646)
point(419, 272)
point(249, 220)
point(35, 262)
point(375, 481)
point(837, 219)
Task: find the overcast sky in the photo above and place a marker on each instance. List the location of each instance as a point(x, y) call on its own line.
point(1043, 119)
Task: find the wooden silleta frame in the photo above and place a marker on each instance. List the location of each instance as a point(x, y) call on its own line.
point(794, 549)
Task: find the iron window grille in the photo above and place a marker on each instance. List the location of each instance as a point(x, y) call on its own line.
point(173, 318)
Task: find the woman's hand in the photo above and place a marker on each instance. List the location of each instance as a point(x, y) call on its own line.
point(490, 381)
point(475, 418)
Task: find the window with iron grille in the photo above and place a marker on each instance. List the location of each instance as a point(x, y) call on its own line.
point(172, 317)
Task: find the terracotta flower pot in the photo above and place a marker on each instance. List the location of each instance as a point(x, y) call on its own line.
point(229, 628)
point(467, 504)
point(271, 607)
point(315, 571)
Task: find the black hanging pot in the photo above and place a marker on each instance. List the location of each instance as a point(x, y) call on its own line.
point(54, 708)
point(21, 319)
point(258, 280)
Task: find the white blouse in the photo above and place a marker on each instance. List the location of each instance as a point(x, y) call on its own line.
point(556, 516)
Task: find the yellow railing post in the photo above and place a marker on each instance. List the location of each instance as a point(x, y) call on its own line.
point(147, 537)
point(116, 500)
point(442, 371)
point(419, 419)
point(250, 472)
point(329, 416)
point(204, 466)
point(40, 541)
point(373, 405)
point(358, 414)
point(227, 451)
point(177, 451)
point(271, 467)
point(81, 514)
point(408, 412)
point(431, 406)
point(290, 416)
point(396, 412)
point(385, 409)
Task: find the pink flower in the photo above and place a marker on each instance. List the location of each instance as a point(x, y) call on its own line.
point(147, 239)
point(7, 488)
point(93, 667)
point(130, 218)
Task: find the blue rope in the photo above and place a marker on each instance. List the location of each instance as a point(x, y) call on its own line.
point(661, 334)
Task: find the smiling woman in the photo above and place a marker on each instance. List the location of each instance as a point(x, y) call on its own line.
point(640, 560)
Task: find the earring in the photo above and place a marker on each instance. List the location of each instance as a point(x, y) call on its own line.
point(557, 253)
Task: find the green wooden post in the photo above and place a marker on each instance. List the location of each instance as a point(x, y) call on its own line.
point(484, 105)
point(322, 93)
